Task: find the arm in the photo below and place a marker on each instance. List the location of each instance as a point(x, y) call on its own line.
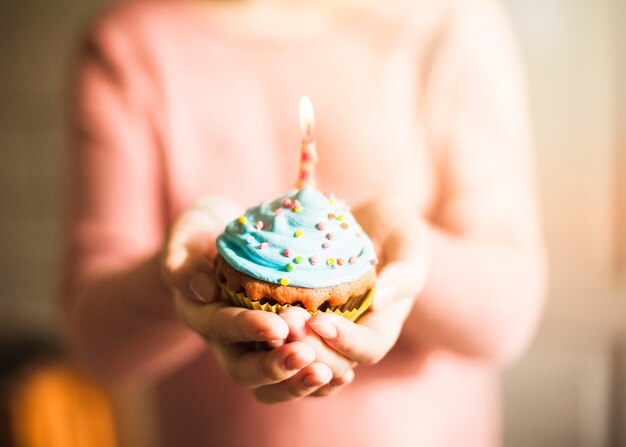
point(484, 293)
point(477, 267)
point(124, 320)
point(116, 305)
point(274, 371)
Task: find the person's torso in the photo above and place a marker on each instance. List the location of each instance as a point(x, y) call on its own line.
point(231, 111)
point(231, 127)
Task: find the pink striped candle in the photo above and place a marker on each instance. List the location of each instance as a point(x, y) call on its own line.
point(308, 153)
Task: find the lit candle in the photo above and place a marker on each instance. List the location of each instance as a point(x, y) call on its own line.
point(308, 153)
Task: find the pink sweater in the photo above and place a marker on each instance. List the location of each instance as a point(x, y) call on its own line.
point(178, 99)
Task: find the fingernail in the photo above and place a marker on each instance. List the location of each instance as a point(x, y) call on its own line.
point(325, 330)
point(311, 381)
point(273, 344)
point(202, 287)
point(293, 363)
point(344, 380)
point(270, 336)
point(297, 330)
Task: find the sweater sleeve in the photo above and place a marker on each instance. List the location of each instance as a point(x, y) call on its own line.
point(117, 200)
point(484, 295)
point(116, 306)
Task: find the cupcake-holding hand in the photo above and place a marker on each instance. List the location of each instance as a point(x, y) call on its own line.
point(402, 242)
point(303, 366)
point(479, 297)
point(401, 239)
point(310, 355)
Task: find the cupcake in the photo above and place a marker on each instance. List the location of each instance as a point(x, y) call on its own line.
point(302, 249)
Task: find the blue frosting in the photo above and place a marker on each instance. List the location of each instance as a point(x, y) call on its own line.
point(259, 250)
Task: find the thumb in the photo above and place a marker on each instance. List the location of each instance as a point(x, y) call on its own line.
point(190, 248)
point(203, 286)
point(399, 279)
point(191, 274)
point(406, 256)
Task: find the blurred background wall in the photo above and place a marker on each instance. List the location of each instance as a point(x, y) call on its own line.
point(37, 39)
point(570, 390)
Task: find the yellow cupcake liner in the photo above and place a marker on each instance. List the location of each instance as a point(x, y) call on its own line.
point(241, 300)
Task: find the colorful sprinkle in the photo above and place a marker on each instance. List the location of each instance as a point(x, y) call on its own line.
point(298, 259)
point(331, 216)
point(330, 236)
point(352, 260)
point(344, 225)
point(298, 233)
point(330, 261)
point(306, 156)
point(314, 260)
point(321, 226)
point(242, 220)
point(263, 245)
point(340, 217)
point(295, 203)
point(340, 261)
point(284, 281)
point(331, 198)
point(279, 211)
point(287, 203)
point(259, 225)
point(374, 261)
point(326, 245)
point(287, 252)
point(297, 209)
point(289, 267)
point(305, 174)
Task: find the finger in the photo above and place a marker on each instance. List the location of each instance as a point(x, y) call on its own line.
point(252, 368)
point(193, 228)
point(399, 279)
point(203, 287)
point(296, 318)
point(190, 273)
point(335, 385)
point(305, 382)
point(227, 324)
point(405, 256)
point(403, 231)
point(273, 344)
point(347, 378)
point(403, 246)
point(359, 343)
point(326, 354)
point(189, 252)
point(370, 340)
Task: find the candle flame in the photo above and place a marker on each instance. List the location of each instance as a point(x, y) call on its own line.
point(307, 117)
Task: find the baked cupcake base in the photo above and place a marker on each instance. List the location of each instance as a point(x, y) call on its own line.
point(349, 300)
point(268, 305)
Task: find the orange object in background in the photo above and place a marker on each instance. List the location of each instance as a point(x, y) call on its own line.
point(55, 405)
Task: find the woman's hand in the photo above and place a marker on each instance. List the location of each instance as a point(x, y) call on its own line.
point(342, 368)
point(287, 372)
point(401, 240)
